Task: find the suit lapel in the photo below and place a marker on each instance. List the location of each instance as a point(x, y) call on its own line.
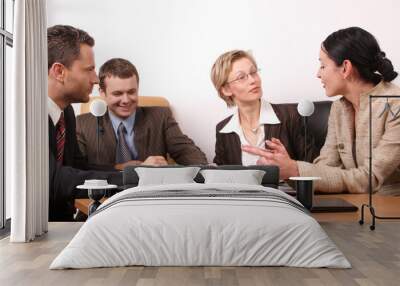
point(235, 149)
point(141, 130)
point(109, 141)
point(348, 131)
point(273, 130)
point(68, 158)
point(52, 136)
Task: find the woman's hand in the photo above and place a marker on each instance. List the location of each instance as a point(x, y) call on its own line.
point(275, 155)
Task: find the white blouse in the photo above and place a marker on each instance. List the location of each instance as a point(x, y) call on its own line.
point(267, 116)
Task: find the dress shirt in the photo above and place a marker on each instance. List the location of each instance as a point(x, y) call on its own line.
point(54, 110)
point(129, 123)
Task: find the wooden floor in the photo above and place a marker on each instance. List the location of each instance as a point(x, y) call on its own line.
point(374, 255)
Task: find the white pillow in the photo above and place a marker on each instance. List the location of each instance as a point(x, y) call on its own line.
point(248, 177)
point(165, 176)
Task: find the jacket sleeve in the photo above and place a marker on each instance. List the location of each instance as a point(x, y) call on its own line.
point(62, 183)
point(180, 147)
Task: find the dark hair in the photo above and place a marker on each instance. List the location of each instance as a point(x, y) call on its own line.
point(116, 67)
point(362, 50)
point(64, 44)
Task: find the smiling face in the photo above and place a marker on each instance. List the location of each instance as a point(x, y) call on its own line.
point(244, 82)
point(121, 95)
point(332, 76)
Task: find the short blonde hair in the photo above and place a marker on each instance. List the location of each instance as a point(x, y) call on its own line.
point(221, 69)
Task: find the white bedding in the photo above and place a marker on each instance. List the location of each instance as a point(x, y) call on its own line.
point(260, 229)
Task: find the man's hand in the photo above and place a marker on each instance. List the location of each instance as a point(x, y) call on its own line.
point(121, 166)
point(155, 161)
point(275, 155)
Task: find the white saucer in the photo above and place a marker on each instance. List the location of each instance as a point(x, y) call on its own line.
point(90, 187)
point(305, 178)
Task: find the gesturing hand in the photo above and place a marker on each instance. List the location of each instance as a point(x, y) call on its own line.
point(275, 155)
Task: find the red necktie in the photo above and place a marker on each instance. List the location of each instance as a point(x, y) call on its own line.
point(60, 138)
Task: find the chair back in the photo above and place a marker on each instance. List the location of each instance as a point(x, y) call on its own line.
point(143, 101)
point(317, 123)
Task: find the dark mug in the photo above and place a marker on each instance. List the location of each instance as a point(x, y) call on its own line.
point(305, 190)
point(305, 193)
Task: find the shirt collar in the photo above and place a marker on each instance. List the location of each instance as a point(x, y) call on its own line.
point(128, 122)
point(379, 89)
point(267, 113)
point(54, 110)
point(376, 90)
point(267, 116)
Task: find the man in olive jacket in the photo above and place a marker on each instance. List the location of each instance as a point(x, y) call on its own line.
point(132, 135)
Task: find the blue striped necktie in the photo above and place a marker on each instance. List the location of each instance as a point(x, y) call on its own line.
point(123, 153)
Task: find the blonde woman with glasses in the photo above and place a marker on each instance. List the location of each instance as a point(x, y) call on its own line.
point(236, 77)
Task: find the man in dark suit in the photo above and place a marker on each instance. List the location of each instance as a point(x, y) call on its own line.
point(132, 135)
point(71, 76)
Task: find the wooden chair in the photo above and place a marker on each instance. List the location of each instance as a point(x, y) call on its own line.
point(143, 101)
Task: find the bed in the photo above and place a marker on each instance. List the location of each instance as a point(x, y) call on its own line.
point(201, 224)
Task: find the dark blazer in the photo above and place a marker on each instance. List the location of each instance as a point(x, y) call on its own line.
point(290, 132)
point(156, 134)
point(63, 178)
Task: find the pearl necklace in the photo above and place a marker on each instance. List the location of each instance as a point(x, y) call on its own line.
point(252, 130)
point(255, 130)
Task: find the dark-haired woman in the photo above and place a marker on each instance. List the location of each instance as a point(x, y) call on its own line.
point(354, 66)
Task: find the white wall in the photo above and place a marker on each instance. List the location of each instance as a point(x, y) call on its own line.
point(174, 44)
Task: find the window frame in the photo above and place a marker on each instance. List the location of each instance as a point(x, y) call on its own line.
point(6, 39)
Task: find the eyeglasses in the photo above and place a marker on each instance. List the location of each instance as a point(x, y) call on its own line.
point(244, 77)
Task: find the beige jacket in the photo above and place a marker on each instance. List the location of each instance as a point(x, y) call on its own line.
point(344, 169)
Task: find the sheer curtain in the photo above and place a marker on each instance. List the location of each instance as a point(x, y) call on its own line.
point(26, 124)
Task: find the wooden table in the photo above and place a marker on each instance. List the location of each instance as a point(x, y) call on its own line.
point(384, 206)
